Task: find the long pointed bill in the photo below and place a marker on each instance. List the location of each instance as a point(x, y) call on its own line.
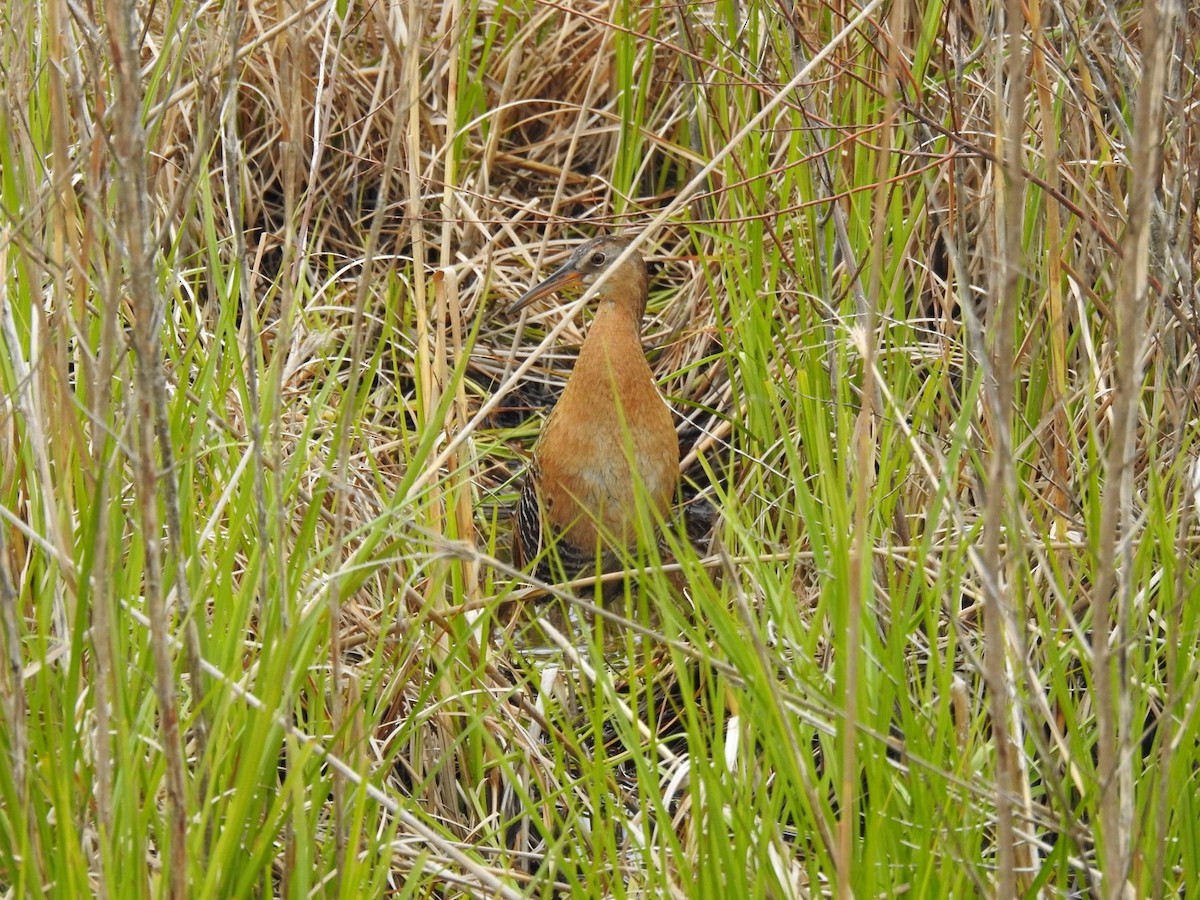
point(561, 278)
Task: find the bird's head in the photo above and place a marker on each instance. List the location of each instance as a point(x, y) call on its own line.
point(627, 285)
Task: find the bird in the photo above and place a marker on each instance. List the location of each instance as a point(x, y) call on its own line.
point(610, 435)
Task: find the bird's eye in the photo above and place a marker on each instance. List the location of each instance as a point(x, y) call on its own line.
point(598, 259)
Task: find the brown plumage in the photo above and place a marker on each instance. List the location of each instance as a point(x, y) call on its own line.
point(610, 431)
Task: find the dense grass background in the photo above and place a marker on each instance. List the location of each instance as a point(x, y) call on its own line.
point(924, 304)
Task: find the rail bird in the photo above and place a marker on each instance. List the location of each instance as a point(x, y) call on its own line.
point(609, 437)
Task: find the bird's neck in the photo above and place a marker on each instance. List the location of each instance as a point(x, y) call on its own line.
point(614, 339)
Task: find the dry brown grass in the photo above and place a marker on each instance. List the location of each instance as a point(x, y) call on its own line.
point(307, 183)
